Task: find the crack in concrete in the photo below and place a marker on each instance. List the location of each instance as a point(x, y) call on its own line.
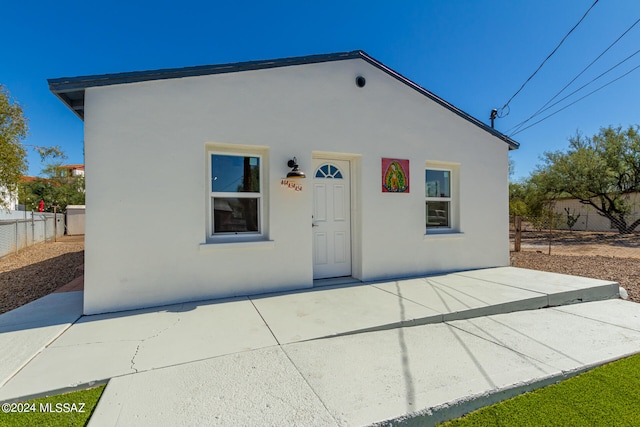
point(156, 335)
point(133, 358)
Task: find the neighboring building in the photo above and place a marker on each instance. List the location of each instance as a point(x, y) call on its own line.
point(398, 181)
point(75, 220)
point(72, 171)
point(588, 218)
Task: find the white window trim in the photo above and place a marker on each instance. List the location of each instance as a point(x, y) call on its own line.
point(449, 235)
point(232, 237)
point(236, 245)
point(453, 199)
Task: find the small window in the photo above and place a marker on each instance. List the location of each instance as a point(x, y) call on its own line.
point(235, 174)
point(236, 194)
point(235, 215)
point(438, 198)
point(328, 171)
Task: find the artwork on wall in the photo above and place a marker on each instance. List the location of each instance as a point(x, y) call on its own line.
point(395, 175)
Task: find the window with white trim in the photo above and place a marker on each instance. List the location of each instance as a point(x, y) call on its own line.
point(236, 194)
point(438, 199)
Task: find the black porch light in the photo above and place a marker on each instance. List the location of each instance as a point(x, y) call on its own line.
point(295, 172)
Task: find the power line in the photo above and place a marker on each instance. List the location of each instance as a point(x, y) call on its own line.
point(546, 59)
point(575, 91)
point(543, 109)
point(577, 100)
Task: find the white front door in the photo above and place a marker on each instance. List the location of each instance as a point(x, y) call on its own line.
point(331, 219)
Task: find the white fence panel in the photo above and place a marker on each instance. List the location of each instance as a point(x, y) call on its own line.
point(17, 234)
point(4, 215)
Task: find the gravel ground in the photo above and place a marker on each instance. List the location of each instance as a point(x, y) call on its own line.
point(39, 270)
point(625, 271)
point(582, 243)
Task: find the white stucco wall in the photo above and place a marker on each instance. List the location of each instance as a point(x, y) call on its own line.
point(147, 189)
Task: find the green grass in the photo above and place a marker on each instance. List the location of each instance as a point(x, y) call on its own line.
point(65, 409)
point(605, 396)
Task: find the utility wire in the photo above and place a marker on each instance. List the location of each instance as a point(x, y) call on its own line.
point(575, 91)
point(577, 100)
point(545, 60)
point(543, 109)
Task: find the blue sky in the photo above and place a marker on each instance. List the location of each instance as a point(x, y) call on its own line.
point(474, 54)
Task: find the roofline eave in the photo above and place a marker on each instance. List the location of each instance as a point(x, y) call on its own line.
point(61, 87)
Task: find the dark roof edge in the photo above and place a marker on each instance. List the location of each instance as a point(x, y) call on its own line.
point(69, 103)
point(512, 144)
point(70, 83)
point(61, 86)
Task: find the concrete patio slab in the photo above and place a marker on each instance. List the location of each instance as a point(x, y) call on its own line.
point(377, 376)
point(206, 330)
point(557, 338)
point(561, 288)
point(105, 346)
point(614, 312)
point(58, 370)
point(218, 362)
point(52, 309)
point(462, 297)
point(134, 325)
point(421, 375)
point(26, 331)
point(257, 388)
point(334, 310)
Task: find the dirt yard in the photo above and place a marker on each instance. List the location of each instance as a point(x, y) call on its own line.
point(39, 270)
point(579, 243)
point(600, 255)
point(625, 271)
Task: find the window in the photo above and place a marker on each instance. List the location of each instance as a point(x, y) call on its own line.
point(236, 194)
point(328, 171)
point(438, 198)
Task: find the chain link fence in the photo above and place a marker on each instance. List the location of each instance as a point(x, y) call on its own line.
point(569, 233)
point(17, 234)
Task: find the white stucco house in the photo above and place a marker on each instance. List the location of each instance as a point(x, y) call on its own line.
point(188, 196)
point(72, 171)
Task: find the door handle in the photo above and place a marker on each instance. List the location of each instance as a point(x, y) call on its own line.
point(314, 225)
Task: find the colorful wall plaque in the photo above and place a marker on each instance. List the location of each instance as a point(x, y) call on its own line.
point(395, 176)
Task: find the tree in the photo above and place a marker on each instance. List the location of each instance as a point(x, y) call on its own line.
point(517, 199)
point(57, 189)
point(601, 171)
point(13, 129)
point(526, 198)
point(572, 218)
